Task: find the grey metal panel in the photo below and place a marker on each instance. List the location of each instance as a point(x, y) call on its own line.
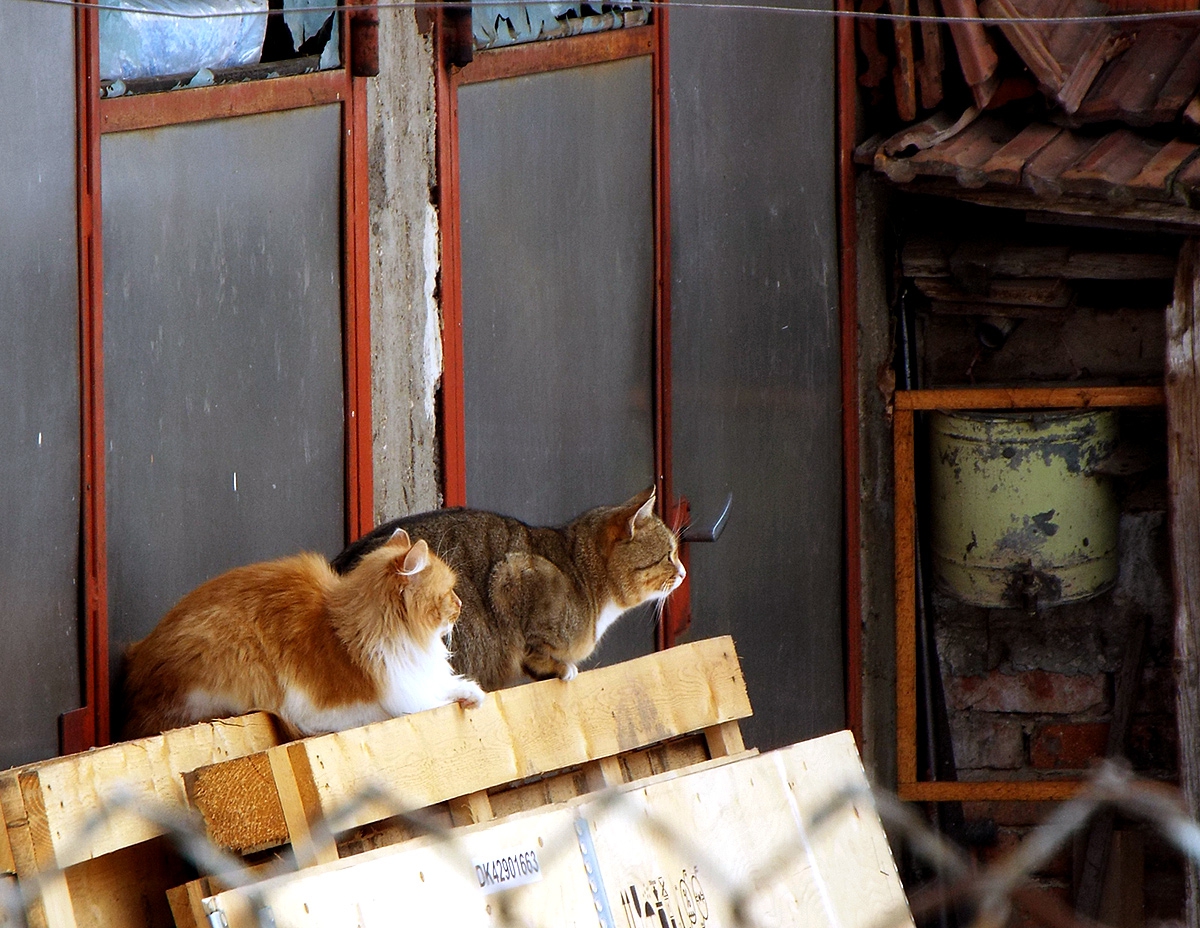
point(222, 352)
point(39, 380)
point(756, 351)
point(558, 264)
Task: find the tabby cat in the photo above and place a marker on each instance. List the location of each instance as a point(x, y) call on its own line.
point(536, 600)
point(319, 650)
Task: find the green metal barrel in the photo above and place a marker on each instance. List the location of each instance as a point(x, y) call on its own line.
point(1020, 515)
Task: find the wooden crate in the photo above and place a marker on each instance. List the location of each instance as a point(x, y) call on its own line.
point(77, 871)
point(606, 726)
point(681, 848)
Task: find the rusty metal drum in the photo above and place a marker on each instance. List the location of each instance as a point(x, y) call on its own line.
point(1020, 514)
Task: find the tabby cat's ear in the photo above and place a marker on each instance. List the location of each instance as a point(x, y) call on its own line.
point(400, 539)
point(417, 559)
point(643, 508)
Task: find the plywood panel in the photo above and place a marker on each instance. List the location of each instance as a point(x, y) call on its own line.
point(685, 844)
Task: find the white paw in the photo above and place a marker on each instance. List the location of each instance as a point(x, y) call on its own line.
point(569, 672)
point(469, 695)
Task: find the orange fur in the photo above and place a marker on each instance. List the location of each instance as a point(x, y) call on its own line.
point(291, 637)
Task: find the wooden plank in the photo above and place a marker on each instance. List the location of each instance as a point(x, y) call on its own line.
point(311, 843)
point(1090, 884)
point(246, 783)
point(149, 769)
point(724, 739)
point(1028, 397)
point(50, 886)
point(932, 258)
point(128, 887)
point(1183, 470)
point(989, 791)
point(750, 820)
point(1143, 216)
point(472, 809)
point(432, 757)
point(16, 827)
point(7, 864)
point(1052, 292)
point(185, 904)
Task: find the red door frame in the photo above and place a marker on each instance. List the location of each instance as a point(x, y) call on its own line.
point(89, 725)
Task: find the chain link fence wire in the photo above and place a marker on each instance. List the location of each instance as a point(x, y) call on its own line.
point(987, 893)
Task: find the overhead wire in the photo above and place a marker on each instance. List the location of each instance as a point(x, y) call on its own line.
point(712, 5)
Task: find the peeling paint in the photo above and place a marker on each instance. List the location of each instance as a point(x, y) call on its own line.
point(1022, 517)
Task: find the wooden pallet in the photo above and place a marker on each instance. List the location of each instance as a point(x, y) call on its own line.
point(524, 748)
point(80, 873)
point(749, 840)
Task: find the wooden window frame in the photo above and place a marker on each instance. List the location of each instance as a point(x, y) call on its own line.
point(909, 786)
point(89, 725)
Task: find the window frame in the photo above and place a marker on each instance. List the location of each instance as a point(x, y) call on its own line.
point(89, 725)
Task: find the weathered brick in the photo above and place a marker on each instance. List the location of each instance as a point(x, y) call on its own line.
point(1067, 746)
point(986, 741)
point(1032, 692)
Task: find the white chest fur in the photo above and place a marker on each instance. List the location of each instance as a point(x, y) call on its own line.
point(609, 614)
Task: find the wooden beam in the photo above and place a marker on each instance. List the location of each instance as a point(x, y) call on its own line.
point(1183, 469)
point(1028, 397)
point(994, 790)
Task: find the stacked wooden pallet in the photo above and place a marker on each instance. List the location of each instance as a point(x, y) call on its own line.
point(523, 748)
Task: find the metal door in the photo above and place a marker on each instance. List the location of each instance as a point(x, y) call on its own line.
point(756, 366)
point(39, 380)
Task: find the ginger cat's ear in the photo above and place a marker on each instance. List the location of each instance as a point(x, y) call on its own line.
point(417, 559)
point(400, 539)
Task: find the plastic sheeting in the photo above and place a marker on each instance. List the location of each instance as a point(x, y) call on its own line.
point(511, 24)
point(151, 38)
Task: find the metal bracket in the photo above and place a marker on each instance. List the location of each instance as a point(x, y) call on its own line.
point(595, 882)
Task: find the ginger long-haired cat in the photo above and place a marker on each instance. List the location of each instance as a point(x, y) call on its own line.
point(536, 600)
point(322, 652)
